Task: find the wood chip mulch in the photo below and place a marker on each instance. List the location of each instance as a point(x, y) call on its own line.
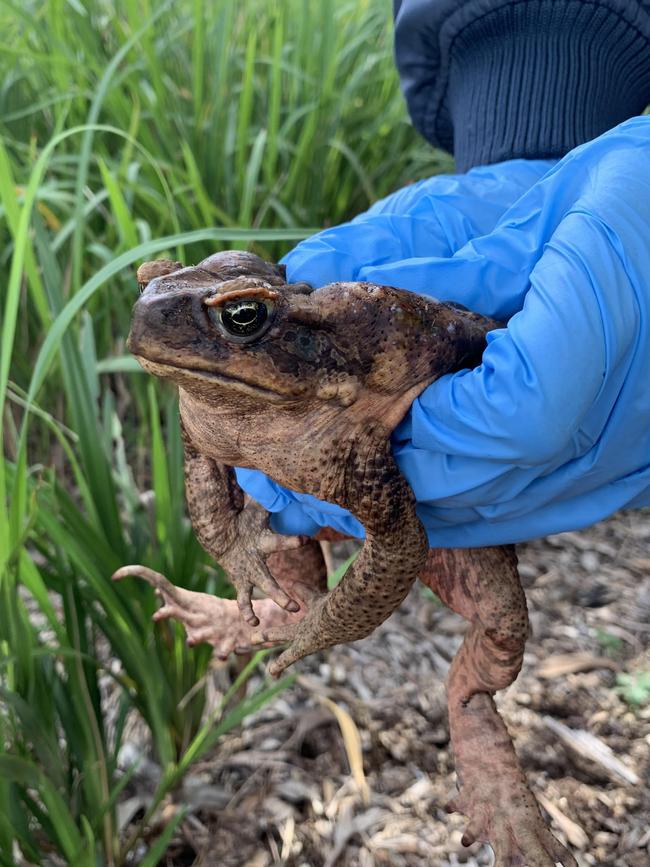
point(351, 767)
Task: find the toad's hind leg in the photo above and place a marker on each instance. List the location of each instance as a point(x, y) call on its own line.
point(208, 619)
point(482, 584)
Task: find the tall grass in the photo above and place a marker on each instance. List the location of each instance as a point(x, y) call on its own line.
point(132, 129)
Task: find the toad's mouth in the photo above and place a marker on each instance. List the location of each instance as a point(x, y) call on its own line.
point(168, 370)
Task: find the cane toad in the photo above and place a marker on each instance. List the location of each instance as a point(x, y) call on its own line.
point(307, 386)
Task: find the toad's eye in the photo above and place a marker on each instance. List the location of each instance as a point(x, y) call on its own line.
point(244, 317)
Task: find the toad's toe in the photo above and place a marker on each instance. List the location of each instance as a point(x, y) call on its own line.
point(513, 827)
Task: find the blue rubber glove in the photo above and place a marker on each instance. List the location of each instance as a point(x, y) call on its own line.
point(552, 431)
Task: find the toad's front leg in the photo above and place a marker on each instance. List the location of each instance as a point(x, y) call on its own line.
point(234, 532)
point(288, 569)
point(364, 478)
point(482, 584)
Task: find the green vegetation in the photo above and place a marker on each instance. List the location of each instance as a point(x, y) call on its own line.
point(611, 644)
point(130, 130)
point(635, 688)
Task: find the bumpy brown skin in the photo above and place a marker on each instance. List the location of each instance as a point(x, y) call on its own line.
point(311, 400)
point(313, 403)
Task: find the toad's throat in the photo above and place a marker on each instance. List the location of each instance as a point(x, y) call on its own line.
point(168, 370)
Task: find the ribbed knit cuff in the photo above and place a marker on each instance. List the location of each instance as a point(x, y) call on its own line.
point(537, 79)
point(492, 80)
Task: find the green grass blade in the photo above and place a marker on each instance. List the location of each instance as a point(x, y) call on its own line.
point(86, 146)
point(160, 472)
point(153, 856)
point(245, 108)
point(12, 210)
point(126, 227)
point(251, 179)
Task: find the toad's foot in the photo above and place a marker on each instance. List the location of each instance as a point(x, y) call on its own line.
point(299, 644)
point(517, 834)
point(245, 561)
point(311, 634)
point(233, 530)
point(502, 811)
point(208, 619)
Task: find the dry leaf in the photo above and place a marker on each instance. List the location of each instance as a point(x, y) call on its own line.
point(561, 664)
point(592, 748)
point(572, 831)
point(352, 741)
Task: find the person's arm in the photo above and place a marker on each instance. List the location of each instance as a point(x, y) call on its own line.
point(552, 430)
point(493, 80)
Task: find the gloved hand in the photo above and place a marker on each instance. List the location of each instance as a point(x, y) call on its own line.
point(552, 431)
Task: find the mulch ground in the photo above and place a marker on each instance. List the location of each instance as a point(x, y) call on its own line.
point(352, 766)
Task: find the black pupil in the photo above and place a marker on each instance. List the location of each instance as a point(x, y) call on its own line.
point(244, 317)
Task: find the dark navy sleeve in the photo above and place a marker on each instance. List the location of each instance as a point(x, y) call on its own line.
point(493, 80)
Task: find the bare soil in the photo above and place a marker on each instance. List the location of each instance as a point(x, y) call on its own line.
point(286, 788)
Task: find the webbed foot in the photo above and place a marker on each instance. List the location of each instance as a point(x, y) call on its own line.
point(207, 619)
point(494, 795)
point(507, 817)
